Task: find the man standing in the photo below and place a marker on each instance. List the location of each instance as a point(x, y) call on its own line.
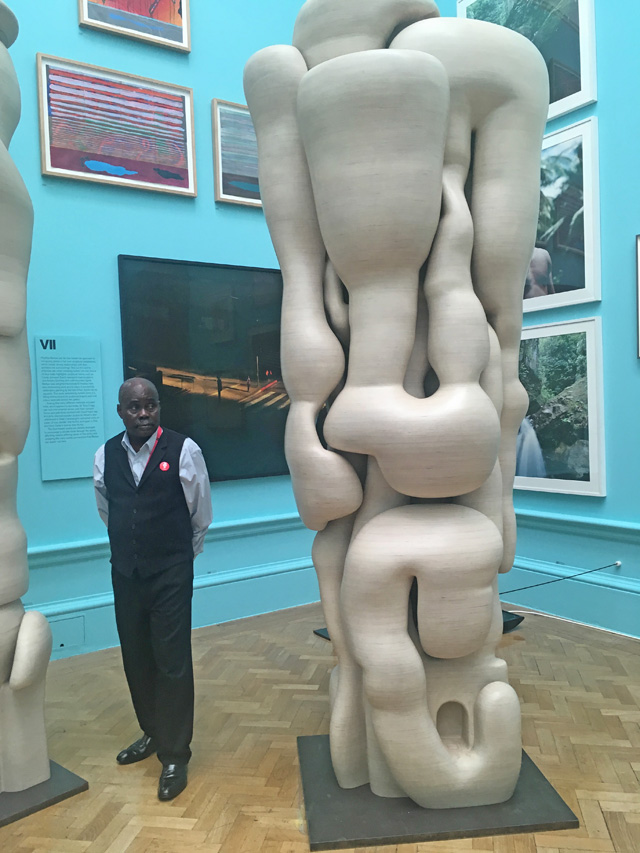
point(153, 493)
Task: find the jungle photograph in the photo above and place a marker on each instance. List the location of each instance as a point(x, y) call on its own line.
point(554, 27)
point(560, 442)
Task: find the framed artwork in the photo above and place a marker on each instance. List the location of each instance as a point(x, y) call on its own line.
point(163, 22)
point(560, 446)
point(114, 128)
point(208, 336)
point(565, 267)
point(564, 33)
point(235, 154)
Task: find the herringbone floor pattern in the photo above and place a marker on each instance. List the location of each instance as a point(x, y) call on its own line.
point(263, 681)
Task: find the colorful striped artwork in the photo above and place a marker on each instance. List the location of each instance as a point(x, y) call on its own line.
point(115, 128)
point(236, 154)
point(165, 22)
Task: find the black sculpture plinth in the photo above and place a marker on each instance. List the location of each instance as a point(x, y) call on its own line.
point(338, 818)
point(61, 785)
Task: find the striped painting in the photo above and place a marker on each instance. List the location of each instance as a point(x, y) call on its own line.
point(115, 128)
point(164, 22)
point(236, 154)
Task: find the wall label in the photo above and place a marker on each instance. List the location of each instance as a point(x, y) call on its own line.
point(69, 377)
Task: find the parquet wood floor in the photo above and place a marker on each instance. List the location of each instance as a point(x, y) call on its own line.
point(263, 681)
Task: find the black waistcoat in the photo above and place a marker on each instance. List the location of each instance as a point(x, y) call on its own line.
point(149, 526)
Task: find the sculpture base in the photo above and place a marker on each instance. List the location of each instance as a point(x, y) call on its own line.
point(60, 786)
point(338, 818)
point(509, 622)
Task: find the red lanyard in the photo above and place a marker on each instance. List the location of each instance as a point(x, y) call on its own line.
point(158, 434)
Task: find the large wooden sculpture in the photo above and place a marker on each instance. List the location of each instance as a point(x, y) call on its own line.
point(25, 638)
point(399, 171)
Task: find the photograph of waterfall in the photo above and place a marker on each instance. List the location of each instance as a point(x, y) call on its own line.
point(560, 445)
point(565, 267)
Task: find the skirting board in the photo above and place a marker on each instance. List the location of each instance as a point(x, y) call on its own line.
point(339, 818)
point(85, 625)
point(60, 786)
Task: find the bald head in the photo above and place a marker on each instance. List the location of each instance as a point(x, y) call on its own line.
point(139, 408)
point(145, 387)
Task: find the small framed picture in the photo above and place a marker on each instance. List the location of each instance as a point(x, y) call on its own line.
point(565, 267)
point(564, 33)
point(560, 446)
point(235, 154)
point(162, 22)
point(113, 128)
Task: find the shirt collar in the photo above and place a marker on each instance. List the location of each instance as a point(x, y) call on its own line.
point(147, 445)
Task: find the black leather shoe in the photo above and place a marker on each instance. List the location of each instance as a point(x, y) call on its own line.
point(173, 780)
point(138, 751)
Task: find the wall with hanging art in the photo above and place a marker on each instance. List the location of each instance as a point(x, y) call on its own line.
point(118, 117)
point(257, 557)
point(578, 355)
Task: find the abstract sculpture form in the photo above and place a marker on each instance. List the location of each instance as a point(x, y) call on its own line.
point(399, 170)
point(25, 638)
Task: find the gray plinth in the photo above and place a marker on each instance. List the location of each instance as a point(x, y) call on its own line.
point(338, 818)
point(61, 785)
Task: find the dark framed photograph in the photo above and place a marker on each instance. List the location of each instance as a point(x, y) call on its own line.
point(208, 337)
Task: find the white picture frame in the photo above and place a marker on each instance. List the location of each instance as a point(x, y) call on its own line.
point(562, 75)
point(579, 260)
point(586, 383)
point(235, 154)
point(92, 127)
point(172, 31)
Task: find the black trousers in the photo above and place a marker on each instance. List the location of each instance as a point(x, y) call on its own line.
point(153, 616)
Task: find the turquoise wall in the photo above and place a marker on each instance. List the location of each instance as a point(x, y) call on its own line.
point(257, 554)
point(256, 557)
point(561, 535)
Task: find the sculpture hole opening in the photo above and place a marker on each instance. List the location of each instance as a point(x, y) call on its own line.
point(468, 185)
point(431, 383)
point(453, 726)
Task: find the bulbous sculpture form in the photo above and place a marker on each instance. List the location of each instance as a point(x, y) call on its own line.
point(399, 170)
point(25, 638)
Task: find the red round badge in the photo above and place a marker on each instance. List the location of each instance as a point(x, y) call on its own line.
point(164, 466)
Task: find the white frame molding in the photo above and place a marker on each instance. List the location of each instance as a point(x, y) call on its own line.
point(638, 287)
point(588, 79)
point(184, 45)
point(596, 485)
point(587, 131)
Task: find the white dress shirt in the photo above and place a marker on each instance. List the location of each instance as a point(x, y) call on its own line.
point(193, 477)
